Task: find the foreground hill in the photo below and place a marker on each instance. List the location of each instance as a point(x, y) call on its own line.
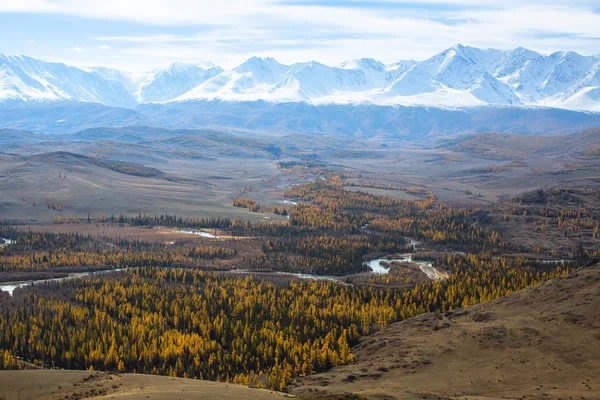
point(52, 385)
point(541, 343)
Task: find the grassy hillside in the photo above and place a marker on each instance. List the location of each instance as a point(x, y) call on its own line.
point(540, 343)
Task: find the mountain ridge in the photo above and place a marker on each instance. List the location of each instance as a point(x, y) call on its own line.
point(460, 76)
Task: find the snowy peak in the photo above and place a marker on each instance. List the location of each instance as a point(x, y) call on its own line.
point(260, 66)
point(177, 79)
point(250, 80)
point(376, 74)
point(485, 58)
point(363, 64)
point(457, 71)
point(206, 65)
point(257, 71)
point(544, 78)
point(568, 69)
point(585, 99)
point(462, 72)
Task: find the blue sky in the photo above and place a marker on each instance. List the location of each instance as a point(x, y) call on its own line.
point(139, 35)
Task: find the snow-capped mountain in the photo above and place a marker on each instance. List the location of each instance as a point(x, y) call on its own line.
point(457, 77)
point(26, 79)
point(177, 79)
point(250, 80)
point(162, 84)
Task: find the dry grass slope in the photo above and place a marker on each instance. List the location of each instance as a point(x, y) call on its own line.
point(78, 385)
point(541, 343)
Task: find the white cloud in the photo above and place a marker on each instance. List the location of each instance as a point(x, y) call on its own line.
point(157, 12)
point(78, 49)
point(228, 31)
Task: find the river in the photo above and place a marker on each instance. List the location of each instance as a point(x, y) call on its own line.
point(199, 233)
point(6, 242)
point(295, 274)
point(11, 286)
point(427, 267)
point(376, 268)
point(288, 202)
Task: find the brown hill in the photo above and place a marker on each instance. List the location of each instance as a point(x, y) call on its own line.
point(541, 343)
point(71, 159)
point(556, 221)
point(499, 146)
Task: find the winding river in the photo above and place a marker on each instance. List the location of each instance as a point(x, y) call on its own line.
point(377, 267)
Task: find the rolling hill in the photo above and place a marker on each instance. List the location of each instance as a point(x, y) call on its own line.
point(495, 146)
point(337, 120)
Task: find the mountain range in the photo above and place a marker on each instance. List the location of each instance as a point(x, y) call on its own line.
point(458, 77)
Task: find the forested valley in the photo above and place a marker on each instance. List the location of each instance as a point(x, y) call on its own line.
point(184, 310)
